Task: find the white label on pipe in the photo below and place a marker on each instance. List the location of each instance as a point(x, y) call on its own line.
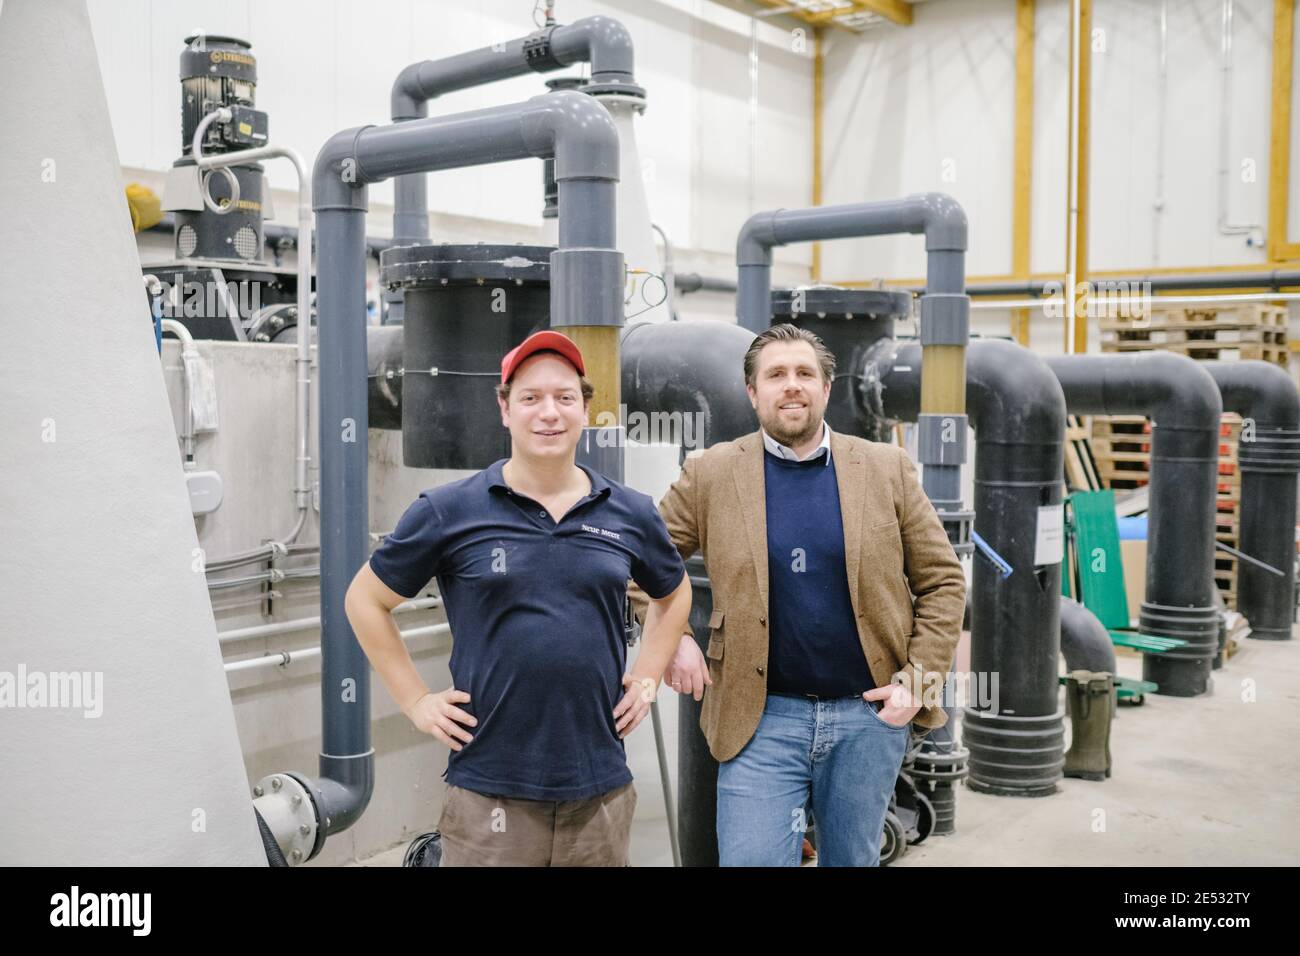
point(1049, 540)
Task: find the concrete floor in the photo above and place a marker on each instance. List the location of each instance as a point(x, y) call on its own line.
point(1210, 780)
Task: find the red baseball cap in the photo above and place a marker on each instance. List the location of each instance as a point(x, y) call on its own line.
point(546, 341)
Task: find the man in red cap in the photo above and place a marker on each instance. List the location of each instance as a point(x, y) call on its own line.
point(532, 555)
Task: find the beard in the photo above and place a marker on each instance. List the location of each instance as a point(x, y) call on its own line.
point(791, 439)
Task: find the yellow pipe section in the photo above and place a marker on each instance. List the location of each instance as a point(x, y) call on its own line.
point(943, 380)
point(599, 347)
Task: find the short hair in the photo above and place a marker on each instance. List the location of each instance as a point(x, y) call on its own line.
point(588, 390)
point(787, 332)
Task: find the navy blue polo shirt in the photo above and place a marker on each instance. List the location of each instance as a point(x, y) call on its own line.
point(536, 613)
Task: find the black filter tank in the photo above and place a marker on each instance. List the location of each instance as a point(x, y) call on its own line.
point(848, 321)
point(466, 306)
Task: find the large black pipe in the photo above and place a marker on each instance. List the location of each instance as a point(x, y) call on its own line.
point(1017, 744)
point(1268, 454)
point(695, 368)
point(692, 368)
point(1182, 401)
point(697, 771)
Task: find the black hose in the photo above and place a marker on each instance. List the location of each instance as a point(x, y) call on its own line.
point(273, 855)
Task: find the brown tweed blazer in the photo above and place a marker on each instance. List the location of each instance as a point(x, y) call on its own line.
point(905, 581)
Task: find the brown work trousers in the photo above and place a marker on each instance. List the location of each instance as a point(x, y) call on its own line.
point(482, 830)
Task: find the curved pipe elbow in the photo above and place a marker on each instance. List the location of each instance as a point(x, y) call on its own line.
point(1173, 390)
point(756, 238)
point(943, 221)
point(337, 176)
point(577, 130)
point(712, 385)
point(409, 99)
point(1258, 390)
point(1012, 396)
point(1085, 642)
point(601, 41)
point(342, 792)
point(1189, 397)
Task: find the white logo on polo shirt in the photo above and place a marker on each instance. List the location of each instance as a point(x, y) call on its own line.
point(602, 532)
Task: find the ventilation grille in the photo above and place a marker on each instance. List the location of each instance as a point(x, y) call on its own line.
point(187, 240)
point(246, 242)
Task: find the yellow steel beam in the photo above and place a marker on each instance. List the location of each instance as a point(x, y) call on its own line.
point(815, 19)
point(1022, 185)
point(1081, 47)
point(787, 21)
point(1279, 155)
point(819, 103)
point(895, 11)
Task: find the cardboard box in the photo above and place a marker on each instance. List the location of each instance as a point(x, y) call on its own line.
point(1133, 552)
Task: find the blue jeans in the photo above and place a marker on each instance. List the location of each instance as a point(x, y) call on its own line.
point(839, 751)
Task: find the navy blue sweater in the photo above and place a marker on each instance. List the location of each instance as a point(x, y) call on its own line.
point(813, 641)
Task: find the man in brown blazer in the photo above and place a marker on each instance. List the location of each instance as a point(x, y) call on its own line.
point(835, 590)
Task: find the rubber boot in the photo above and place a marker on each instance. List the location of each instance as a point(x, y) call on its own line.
point(1090, 696)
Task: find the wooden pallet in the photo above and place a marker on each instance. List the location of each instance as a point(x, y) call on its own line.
point(1080, 461)
point(1212, 337)
point(1278, 354)
point(1244, 314)
point(1248, 331)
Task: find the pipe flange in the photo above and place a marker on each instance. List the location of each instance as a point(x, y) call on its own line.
point(1276, 452)
point(444, 264)
point(945, 319)
point(1012, 755)
point(614, 89)
point(286, 805)
point(833, 303)
point(281, 325)
point(1198, 626)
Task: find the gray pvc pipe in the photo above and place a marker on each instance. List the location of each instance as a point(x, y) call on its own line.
point(1271, 279)
point(939, 217)
point(601, 41)
point(587, 287)
point(347, 770)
